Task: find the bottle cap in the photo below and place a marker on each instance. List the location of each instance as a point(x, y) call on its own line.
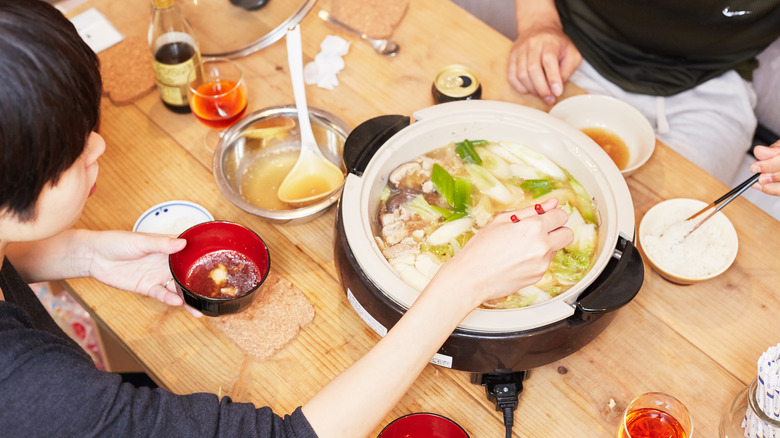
point(162, 4)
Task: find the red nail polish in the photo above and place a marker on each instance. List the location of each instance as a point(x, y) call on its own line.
point(538, 208)
point(514, 218)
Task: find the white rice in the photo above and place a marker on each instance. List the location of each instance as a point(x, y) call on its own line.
point(705, 252)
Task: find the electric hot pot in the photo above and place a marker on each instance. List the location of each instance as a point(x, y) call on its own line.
point(488, 340)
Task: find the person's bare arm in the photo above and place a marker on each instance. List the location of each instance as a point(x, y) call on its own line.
point(543, 57)
point(491, 265)
point(135, 262)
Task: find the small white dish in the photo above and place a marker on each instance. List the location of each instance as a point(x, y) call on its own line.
point(171, 217)
point(611, 114)
point(704, 254)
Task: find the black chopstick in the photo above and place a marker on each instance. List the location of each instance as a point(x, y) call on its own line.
point(728, 197)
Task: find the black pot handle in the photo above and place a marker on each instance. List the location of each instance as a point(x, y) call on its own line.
point(363, 142)
point(622, 279)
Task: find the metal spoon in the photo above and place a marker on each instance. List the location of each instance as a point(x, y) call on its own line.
point(383, 47)
point(313, 176)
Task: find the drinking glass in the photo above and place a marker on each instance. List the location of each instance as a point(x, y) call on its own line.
point(655, 415)
point(217, 95)
point(733, 422)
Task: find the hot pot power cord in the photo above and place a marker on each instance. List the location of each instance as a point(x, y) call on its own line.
point(503, 389)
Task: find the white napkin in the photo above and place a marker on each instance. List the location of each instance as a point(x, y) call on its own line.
point(95, 29)
point(327, 64)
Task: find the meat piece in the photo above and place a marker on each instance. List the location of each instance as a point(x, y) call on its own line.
point(394, 233)
point(400, 249)
point(387, 219)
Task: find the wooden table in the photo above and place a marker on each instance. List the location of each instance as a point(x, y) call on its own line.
point(699, 343)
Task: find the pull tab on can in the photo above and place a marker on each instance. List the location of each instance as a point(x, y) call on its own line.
point(456, 82)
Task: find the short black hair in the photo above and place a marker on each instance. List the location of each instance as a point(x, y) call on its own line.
point(50, 91)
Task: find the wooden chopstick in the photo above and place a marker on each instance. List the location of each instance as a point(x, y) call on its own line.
point(733, 193)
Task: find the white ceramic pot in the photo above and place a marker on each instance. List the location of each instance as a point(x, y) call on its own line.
point(435, 127)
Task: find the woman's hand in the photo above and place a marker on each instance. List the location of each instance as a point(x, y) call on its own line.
point(543, 57)
point(135, 262)
point(768, 165)
point(505, 255)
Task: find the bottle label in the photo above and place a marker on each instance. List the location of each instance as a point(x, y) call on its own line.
point(172, 76)
point(172, 80)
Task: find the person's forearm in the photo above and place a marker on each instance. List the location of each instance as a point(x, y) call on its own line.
point(354, 403)
point(531, 13)
point(55, 258)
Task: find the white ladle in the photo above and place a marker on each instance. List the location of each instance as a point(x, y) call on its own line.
point(313, 176)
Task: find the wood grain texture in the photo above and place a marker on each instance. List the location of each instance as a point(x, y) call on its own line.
point(699, 343)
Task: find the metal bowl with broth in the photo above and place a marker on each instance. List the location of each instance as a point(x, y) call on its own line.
point(255, 154)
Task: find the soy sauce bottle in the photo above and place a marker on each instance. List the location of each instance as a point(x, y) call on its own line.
point(174, 53)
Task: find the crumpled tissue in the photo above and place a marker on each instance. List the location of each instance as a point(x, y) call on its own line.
point(327, 64)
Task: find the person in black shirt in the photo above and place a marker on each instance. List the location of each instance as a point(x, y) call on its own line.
point(49, 108)
point(687, 66)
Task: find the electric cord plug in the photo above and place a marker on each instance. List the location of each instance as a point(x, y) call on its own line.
point(503, 390)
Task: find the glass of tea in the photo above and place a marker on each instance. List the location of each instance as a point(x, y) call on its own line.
point(217, 94)
point(655, 415)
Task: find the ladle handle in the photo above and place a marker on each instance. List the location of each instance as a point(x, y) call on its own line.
point(295, 61)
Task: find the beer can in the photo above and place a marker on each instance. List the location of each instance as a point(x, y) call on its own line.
point(456, 82)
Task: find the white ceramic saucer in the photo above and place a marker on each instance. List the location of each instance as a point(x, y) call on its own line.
point(171, 217)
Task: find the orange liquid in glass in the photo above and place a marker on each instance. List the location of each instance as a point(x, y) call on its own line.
point(651, 423)
point(219, 104)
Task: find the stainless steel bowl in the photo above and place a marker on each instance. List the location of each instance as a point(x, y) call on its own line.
point(244, 143)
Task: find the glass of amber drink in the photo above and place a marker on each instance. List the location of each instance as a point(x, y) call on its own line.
point(656, 415)
point(217, 93)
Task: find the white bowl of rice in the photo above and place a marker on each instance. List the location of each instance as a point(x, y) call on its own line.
point(704, 254)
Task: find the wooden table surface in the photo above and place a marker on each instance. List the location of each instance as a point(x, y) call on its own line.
point(699, 343)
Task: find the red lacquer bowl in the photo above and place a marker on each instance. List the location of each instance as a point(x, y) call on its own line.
point(210, 237)
point(423, 425)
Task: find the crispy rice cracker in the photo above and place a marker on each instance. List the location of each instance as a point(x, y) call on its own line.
point(375, 18)
point(271, 321)
point(127, 72)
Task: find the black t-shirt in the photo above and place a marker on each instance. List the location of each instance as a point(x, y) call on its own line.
point(663, 47)
point(50, 387)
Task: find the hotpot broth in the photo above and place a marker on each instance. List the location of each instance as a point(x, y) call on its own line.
point(562, 149)
point(419, 225)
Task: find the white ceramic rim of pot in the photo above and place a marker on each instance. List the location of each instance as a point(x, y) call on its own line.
point(437, 126)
